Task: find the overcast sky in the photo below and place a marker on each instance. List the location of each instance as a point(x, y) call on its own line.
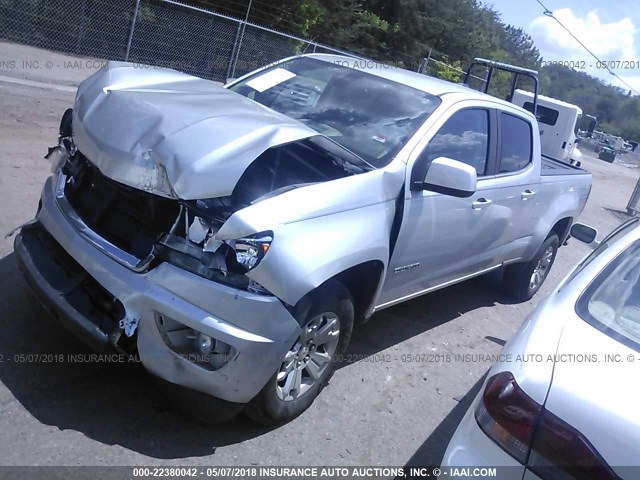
point(610, 30)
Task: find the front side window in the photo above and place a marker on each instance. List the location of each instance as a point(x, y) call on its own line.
point(612, 302)
point(463, 137)
point(516, 143)
point(371, 116)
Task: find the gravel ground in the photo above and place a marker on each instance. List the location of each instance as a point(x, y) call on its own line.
point(374, 412)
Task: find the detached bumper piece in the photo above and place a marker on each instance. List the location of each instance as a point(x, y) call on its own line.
point(73, 297)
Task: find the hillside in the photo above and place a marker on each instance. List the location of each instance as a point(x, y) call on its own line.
point(452, 32)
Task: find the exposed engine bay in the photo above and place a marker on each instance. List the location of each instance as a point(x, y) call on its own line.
point(183, 232)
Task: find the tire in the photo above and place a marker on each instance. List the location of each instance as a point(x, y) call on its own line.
point(519, 279)
point(280, 401)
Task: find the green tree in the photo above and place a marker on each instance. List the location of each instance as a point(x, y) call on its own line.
point(453, 32)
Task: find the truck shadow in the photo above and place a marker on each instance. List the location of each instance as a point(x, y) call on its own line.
point(432, 449)
point(396, 324)
point(51, 375)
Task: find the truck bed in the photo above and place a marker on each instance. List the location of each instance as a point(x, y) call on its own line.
point(551, 166)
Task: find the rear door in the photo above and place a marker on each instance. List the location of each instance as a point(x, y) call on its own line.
point(516, 197)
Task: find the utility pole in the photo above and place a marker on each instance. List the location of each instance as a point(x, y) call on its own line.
point(246, 18)
point(239, 44)
point(131, 30)
point(422, 68)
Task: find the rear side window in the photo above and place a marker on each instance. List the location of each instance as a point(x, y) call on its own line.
point(464, 137)
point(515, 143)
point(612, 302)
point(545, 115)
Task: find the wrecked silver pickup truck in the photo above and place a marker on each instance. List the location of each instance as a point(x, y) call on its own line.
point(232, 235)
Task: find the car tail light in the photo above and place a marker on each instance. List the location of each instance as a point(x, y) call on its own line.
point(508, 415)
point(549, 446)
point(560, 451)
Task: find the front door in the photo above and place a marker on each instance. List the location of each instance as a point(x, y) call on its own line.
point(443, 238)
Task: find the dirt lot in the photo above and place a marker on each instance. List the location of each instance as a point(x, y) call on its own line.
point(374, 412)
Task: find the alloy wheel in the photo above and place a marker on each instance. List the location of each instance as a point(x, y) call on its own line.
point(542, 268)
point(306, 362)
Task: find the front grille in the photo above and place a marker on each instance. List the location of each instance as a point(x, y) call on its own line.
point(130, 219)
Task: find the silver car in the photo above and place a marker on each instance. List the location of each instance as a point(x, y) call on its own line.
point(563, 400)
point(232, 236)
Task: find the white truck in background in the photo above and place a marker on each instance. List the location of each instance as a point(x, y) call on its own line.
point(558, 122)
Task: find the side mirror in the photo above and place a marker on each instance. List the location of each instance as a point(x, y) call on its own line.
point(584, 233)
point(450, 177)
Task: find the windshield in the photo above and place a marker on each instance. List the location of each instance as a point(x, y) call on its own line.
point(368, 115)
point(612, 302)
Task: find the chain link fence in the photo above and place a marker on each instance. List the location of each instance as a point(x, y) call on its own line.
point(165, 33)
point(95, 28)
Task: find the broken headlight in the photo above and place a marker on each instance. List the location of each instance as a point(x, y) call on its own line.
point(208, 215)
point(250, 250)
point(194, 247)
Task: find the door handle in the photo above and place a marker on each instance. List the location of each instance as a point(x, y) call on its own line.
point(481, 203)
point(527, 194)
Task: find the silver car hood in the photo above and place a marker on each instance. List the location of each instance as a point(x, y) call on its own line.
point(173, 134)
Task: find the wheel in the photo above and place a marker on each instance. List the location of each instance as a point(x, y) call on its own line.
point(523, 280)
point(326, 317)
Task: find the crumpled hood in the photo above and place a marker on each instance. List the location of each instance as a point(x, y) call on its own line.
point(173, 134)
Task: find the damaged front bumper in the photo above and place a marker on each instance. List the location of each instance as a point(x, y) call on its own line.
point(57, 260)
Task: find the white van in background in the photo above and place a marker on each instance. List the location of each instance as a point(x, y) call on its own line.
point(558, 122)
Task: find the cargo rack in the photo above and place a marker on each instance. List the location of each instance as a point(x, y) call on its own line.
point(505, 67)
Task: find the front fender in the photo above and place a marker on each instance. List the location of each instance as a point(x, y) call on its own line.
point(306, 254)
point(321, 230)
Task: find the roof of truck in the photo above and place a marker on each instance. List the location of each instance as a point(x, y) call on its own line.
point(551, 101)
point(420, 81)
